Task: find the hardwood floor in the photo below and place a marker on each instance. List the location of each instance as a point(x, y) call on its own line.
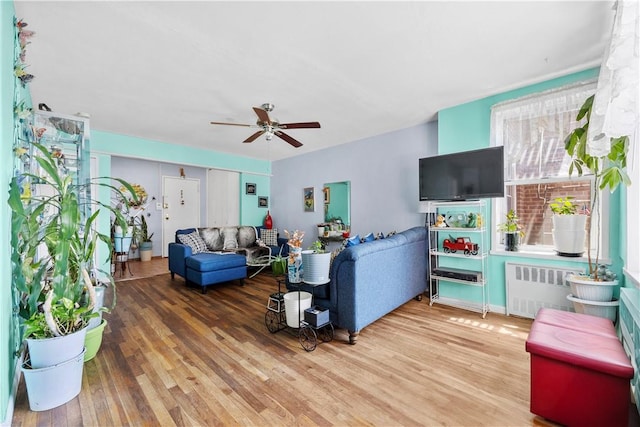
point(173, 356)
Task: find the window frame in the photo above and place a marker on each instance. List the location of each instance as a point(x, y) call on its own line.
point(499, 206)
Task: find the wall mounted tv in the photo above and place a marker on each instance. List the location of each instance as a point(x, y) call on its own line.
point(468, 175)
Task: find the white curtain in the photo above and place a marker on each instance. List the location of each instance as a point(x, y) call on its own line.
point(615, 109)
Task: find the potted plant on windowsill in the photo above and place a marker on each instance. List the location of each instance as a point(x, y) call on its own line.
point(52, 254)
point(609, 171)
point(512, 231)
point(316, 262)
point(569, 227)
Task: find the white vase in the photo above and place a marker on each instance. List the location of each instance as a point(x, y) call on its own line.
point(606, 309)
point(122, 242)
point(569, 232)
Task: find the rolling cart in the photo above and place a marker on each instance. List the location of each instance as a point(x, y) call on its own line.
point(314, 327)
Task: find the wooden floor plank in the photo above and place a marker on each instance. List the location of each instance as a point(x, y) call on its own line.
point(174, 356)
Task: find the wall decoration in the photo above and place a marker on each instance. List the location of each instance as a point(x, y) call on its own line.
point(309, 200)
point(250, 188)
point(327, 195)
point(263, 202)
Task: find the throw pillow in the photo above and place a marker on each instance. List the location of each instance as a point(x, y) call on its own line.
point(269, 237)
point(230, 235)
point(194, 241)
point(368, 238)
point(352, 241)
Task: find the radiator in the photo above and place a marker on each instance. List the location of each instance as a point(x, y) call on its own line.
point(531, 287)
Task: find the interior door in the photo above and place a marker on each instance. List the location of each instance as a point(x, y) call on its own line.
point(180, 207)
point(223, 198)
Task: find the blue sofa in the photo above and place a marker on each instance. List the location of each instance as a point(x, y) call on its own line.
point(372, 279)
point(203, 267)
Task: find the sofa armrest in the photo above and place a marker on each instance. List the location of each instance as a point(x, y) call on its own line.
point(178, 253)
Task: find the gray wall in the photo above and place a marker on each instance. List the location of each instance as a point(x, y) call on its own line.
point(383, 171)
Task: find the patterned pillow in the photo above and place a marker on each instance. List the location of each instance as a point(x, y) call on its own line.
point(269, 237)
point(194, 241)
point(230, 235)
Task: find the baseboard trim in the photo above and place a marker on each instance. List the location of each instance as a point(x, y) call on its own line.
point(11, 402)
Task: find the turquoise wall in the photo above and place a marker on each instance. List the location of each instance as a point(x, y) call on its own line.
point(467, 127)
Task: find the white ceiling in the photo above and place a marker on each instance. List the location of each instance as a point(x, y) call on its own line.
point(164, 70)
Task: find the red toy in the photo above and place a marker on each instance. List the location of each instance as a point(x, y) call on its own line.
point(460, 244)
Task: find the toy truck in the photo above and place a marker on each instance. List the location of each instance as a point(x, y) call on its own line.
point(464, 244)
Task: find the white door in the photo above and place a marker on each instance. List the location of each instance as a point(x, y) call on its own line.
point(180, 207)
point(223, 198)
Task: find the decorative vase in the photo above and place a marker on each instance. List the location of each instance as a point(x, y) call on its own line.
point(268, 222)
point(295, 265)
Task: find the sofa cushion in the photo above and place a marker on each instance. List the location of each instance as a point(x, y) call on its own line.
point(368, 238)
point(230, 235)
point(213, 238)
point(211, 262)
point(269, 237)
point(194, 241)
point(247, 236)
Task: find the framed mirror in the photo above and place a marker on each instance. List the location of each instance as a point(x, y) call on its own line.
point(337, 202)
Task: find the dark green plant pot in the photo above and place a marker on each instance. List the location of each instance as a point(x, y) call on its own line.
point(511, 242)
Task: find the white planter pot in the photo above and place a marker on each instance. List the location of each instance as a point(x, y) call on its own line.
point(606, 309)
point(587, 289)
point(52, 351)
point(316, 267)
point(295, 303)
point(55, 385)
point(569, 233)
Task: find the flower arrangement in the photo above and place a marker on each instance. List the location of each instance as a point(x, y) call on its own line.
point(141, 196)
point(295, 239)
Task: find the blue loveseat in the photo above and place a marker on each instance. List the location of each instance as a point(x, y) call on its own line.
point(218, 254)
point(372, 279)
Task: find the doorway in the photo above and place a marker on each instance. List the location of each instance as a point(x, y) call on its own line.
point(180, 207)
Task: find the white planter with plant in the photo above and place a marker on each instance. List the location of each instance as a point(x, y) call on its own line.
point(316, 262)
point(569, 227)
point(609, 171)
point(54, 292)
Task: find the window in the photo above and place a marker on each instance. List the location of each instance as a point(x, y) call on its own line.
point(532, 130)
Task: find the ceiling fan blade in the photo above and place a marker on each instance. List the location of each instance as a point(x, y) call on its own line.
point(263, 115)
point(301, 125)
point(254, 136)
point(287, 138)
point(230, 124)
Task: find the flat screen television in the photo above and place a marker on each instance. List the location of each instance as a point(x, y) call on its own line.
point(467, 175)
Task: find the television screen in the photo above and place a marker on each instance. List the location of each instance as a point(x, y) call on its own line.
point(467, 175)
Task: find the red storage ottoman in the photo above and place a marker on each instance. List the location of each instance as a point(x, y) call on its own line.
point(578, 378)
point(577, 321)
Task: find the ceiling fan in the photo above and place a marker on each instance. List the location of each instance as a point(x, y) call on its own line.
point(272, 127)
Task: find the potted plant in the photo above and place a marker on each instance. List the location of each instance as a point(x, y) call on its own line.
point(595, 289)
point(512, 231)
point(52, 254)
point(569, 227)
point(316, 262)
point(146, 245)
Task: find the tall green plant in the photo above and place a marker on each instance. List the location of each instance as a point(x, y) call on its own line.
point(56, 294)
point(609, 171)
